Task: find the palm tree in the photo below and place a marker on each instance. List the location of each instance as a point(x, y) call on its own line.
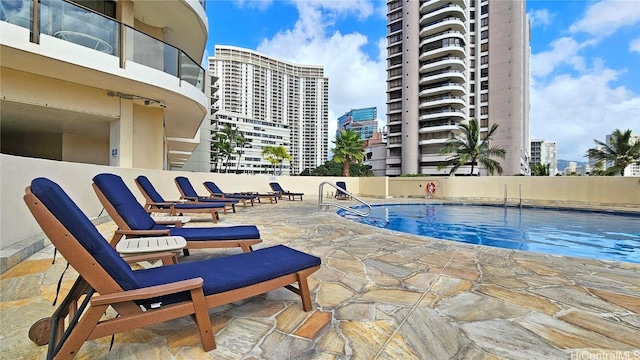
point(469, 149)
point(348, 147)
point(217, 149)
point(276, 155)
point(540, 170)
point(241, 141)
point(620, 151)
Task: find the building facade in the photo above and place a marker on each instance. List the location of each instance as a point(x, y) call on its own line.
point(451, 61)
point(545, 152)
point(279, 95)
point(363, 121)
point(102, 82)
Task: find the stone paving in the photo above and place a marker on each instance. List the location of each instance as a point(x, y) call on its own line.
point(379, 295)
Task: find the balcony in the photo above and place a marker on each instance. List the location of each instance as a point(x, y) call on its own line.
point(75, 24)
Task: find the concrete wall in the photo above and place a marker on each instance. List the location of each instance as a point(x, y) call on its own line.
point(597, 190)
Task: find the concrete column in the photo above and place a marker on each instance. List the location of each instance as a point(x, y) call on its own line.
point(121, 138)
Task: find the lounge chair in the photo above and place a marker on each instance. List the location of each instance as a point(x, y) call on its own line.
point(276, 188)
point(340, 191)
point(147, 296)
point(187, 192)
point(214, 190)
point(134, 221)
point(156, 203)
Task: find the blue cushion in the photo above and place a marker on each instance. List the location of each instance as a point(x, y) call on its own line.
point(213, 187)
point(208, 205)
point(230, 272)
point(124, 201)
point(149, 189)
point(186, 187)
point(77, 223)
point(215, 233)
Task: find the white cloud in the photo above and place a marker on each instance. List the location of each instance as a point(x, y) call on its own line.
point(635, 45)
point(541, 17)
point(574, 110)
point(355, 79)
point(563, 51)
point(605, 17)
point(254, 4)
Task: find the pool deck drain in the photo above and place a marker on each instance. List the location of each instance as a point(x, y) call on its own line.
point(379, 295)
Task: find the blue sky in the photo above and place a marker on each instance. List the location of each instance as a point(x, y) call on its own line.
point(585, 58)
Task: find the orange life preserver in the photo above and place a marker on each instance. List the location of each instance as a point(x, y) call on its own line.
point(431, 188)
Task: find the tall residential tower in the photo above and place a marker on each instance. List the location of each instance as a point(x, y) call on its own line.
point(449, 61)
point(280, 95)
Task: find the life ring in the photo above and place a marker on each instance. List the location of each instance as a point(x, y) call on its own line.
point(431, 188)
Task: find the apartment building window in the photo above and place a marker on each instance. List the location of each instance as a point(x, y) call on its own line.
point(473, 75)
point(472, 112)
point(484, 85)
point(484, 123)
point(472, 100)
point(484, 72)
point(484, 9)
point(484, 110)
point(484, 21)
point(484, 97)
point(484, 60)
point(484, 34)
point(395, 27)
point(484, 47)
point(473, 51)
point(472, 26)
point(473, 15)
point(473, 87)
point(395, 83)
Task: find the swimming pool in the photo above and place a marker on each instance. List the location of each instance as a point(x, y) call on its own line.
point(588, 234)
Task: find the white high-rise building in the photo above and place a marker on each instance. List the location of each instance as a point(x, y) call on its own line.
point(545, 152)
point(449, 61)
point(268, 93)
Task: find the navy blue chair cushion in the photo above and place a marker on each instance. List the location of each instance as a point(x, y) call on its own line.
point(229, 272)
point(213, 187)
point(125, 203)
point(215, 233)
point(77, 223)
point(276, 187)
point(149, 189)
point(186, 186)
point(208, 205)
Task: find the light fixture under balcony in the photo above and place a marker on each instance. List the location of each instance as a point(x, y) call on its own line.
point(146, 101)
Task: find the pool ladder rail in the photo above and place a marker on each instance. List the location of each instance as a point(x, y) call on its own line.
point(322, 202)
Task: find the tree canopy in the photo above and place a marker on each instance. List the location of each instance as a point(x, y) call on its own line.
point(276, 155)
point(619, 151)
point(468, 149)
point(348, 148)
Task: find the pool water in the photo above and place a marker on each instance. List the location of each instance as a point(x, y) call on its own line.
point(588, 234)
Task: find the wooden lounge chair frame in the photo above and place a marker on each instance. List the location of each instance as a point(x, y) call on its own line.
point(273, 198)
point(125, 230)
point(277, 189)
point(169, 206)
point(80, 317)
point(197, 199)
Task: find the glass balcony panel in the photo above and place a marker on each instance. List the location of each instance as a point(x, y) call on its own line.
point(149, 51)
point(17, 12)
point(78, 25)
point(191, 72)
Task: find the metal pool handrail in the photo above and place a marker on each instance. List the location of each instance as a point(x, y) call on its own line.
point(322, 203)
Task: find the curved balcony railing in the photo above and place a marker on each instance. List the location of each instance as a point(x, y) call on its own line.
point(73, 23)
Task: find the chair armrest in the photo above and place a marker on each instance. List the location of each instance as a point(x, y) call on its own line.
point(148, 292)
point(192, 198)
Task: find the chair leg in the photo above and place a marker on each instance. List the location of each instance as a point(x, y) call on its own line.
point(202, 319)
point(303, 286)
